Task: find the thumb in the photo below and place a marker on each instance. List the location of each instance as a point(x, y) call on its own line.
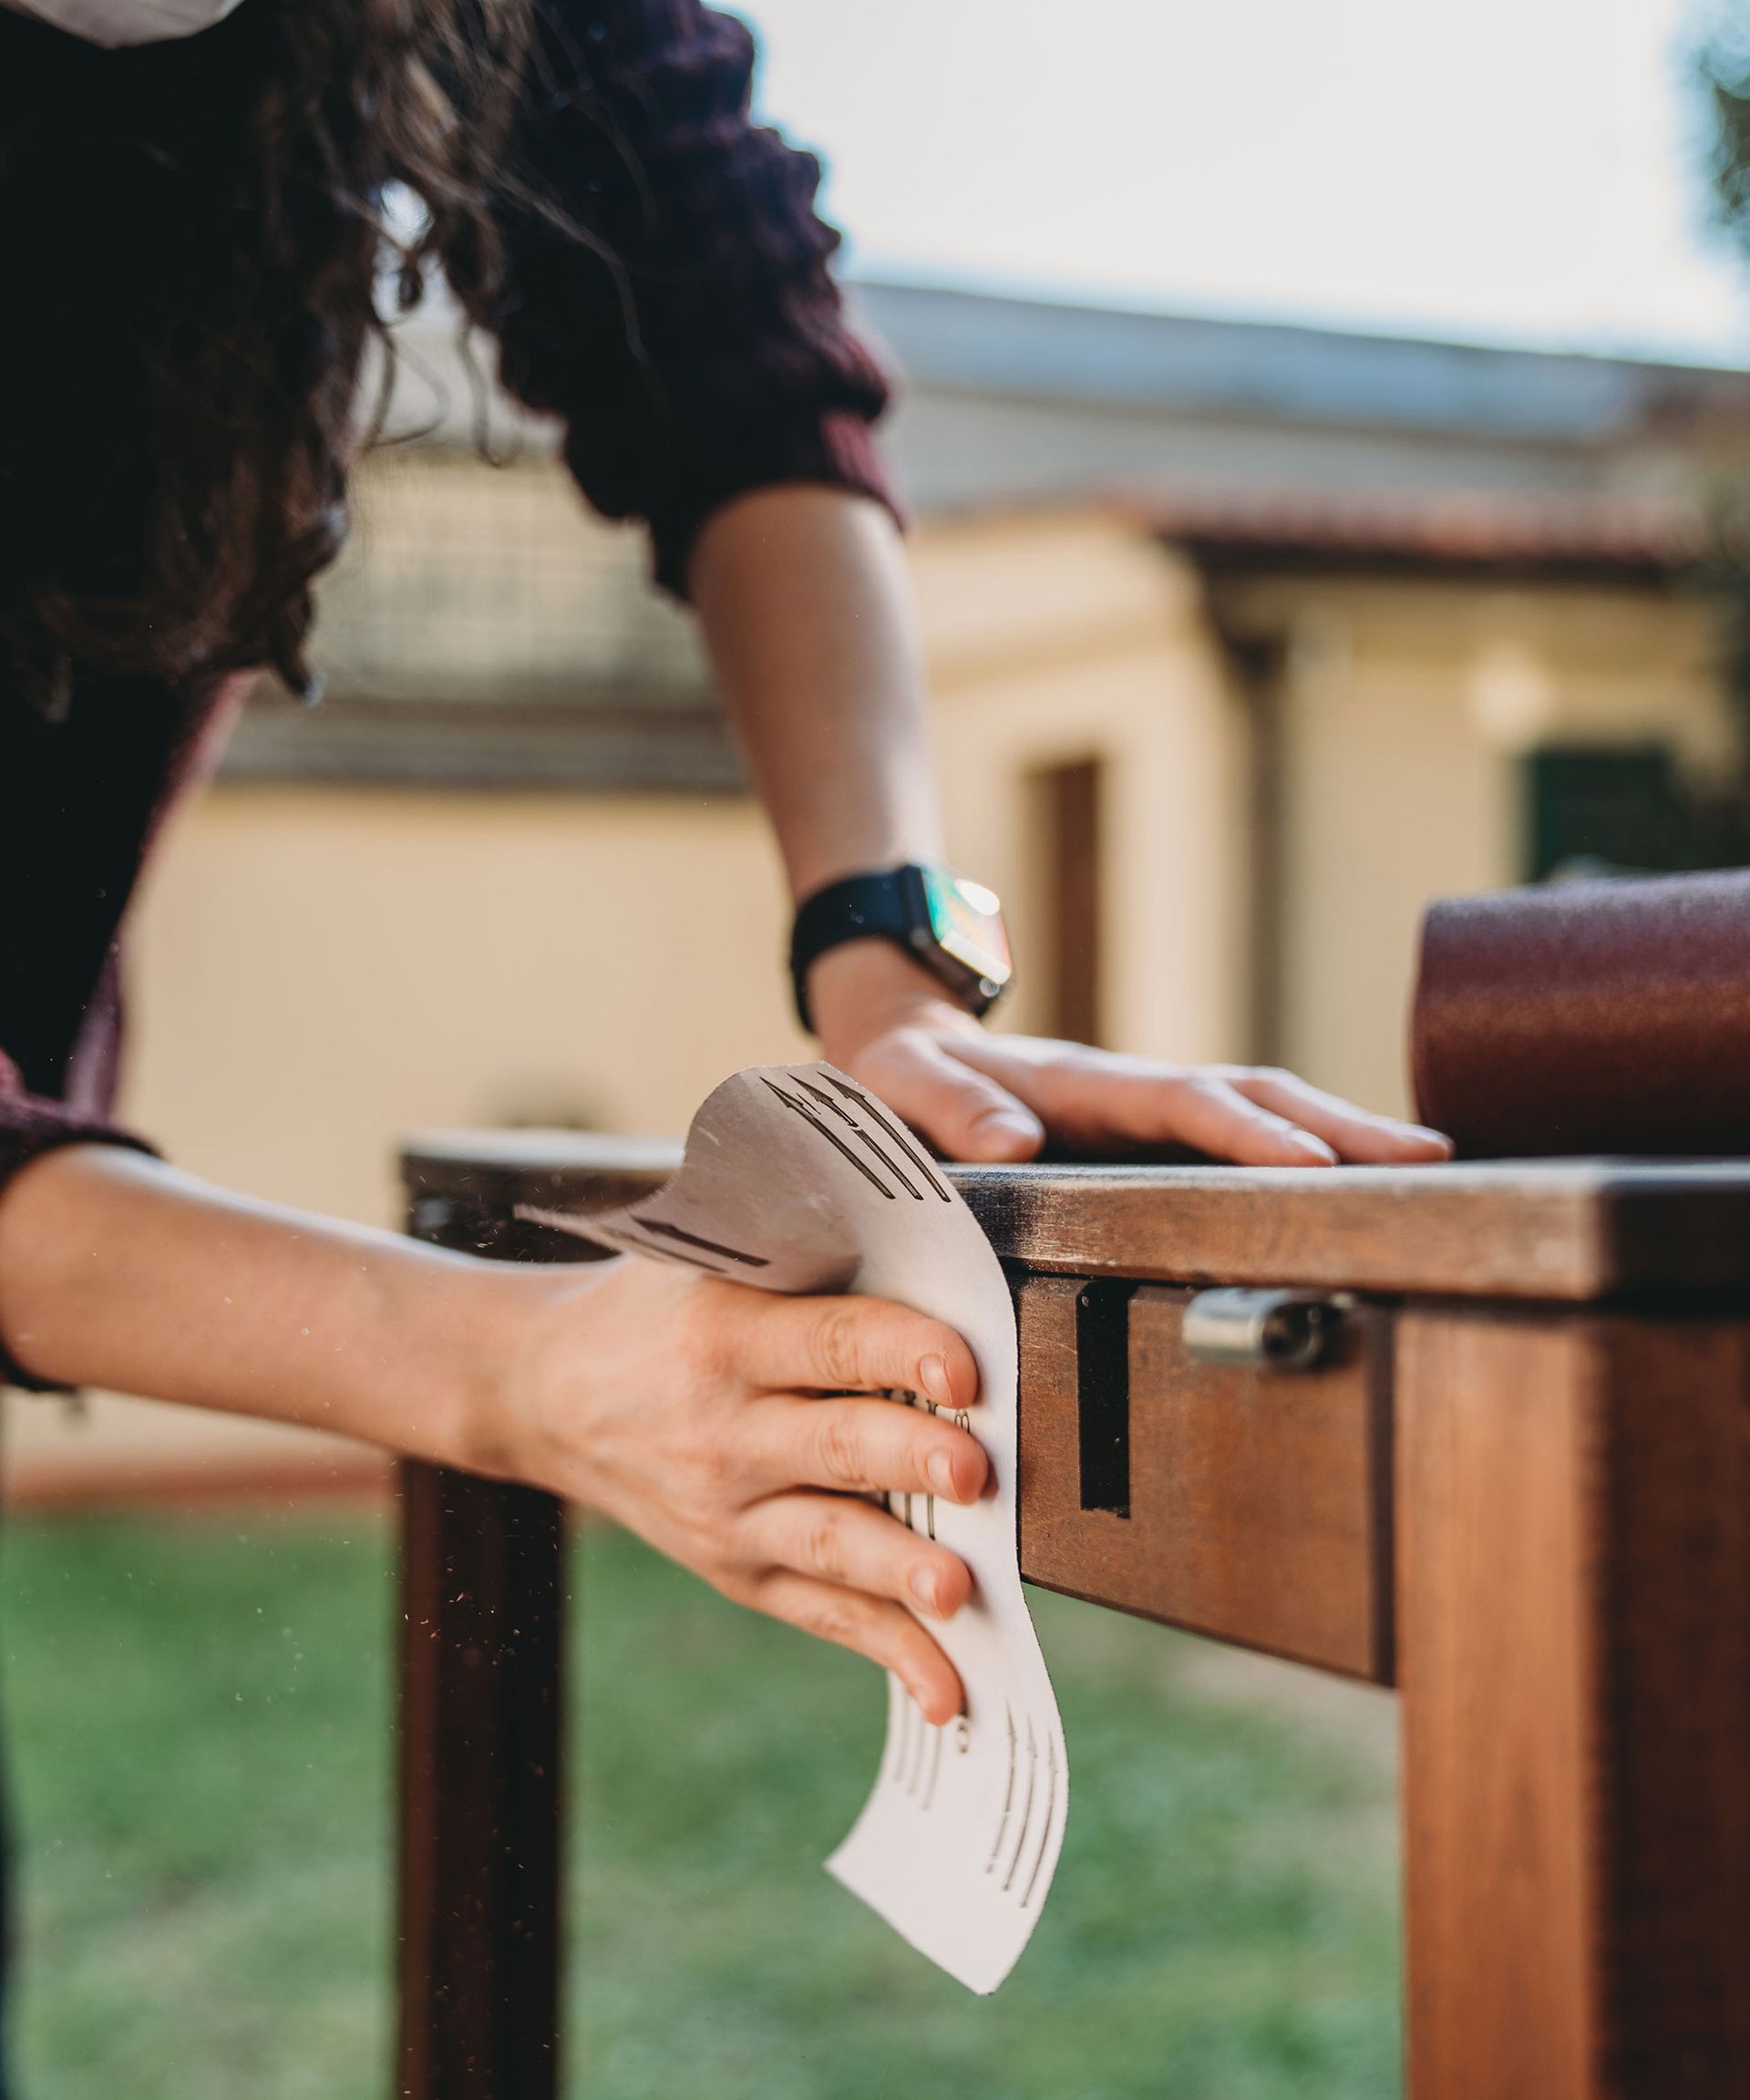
point(965, 1114)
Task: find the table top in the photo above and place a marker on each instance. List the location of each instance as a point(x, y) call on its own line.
point(1562, 1230)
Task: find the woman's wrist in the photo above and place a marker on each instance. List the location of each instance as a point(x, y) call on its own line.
point(523, 1319)
point(863, 989)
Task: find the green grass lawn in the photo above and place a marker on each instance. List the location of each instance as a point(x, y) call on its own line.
point(198, 1719)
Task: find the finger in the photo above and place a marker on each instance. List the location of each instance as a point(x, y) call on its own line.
point(859, 1546)
point(860, 1448)
point(968, 1114)
point(1353, 1132)
point(886, 1632)
point(1093, 1098)
point(1212, 1115)
point(853, 1345)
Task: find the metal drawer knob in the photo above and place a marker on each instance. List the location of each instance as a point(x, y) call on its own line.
point(1266, 1330)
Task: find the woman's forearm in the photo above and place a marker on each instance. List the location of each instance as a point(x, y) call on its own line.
point(116, 1271)
point(688, 1408)
point(806, 609)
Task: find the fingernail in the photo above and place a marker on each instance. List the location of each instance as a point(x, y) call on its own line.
point(941, 1469)
point(932, 1376)
point(1313, 1148)
point(924, 1588)
point(1006, 1129)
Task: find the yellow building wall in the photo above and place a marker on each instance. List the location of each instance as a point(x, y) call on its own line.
point(1070, 637)
point(1388, 798)
point(318, 970)
point(1406, 713)
point(315, 970)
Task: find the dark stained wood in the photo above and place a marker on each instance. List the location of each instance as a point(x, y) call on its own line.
point(463, 1187)
point(1254, 1510)
point(480, 1828)
point(1674, 1617)
point(480, 1838)
point(1563, 1485)
point(1573, 1516)
point(1561, 1232)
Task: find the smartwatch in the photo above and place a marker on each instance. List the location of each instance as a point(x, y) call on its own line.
point(953, 927)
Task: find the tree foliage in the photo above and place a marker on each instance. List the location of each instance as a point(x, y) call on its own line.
point(1723, 64)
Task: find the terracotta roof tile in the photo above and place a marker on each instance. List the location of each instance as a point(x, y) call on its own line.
point(1442, 530)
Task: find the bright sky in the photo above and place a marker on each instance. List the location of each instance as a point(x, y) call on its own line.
point(1520, 171)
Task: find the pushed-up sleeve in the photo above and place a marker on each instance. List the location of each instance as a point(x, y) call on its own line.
point(31, 1125)
point(666, 285)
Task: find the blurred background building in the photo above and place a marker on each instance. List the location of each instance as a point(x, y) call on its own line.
point(1326, 434)
point(1244, 641)
point(1245, 638)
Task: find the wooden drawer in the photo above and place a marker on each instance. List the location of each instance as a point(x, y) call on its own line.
point(1246, 1503)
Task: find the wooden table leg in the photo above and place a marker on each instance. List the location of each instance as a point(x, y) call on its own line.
point(481, 1853)
point(1573, 1529)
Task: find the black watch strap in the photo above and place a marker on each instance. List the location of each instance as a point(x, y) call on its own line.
point(951, 926)
point(857, 908)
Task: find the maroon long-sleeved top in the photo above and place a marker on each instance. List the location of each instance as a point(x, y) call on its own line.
point(738, 372)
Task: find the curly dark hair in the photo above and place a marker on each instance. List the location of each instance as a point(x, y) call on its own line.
point(215, 206)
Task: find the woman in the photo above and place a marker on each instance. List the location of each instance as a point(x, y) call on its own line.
point(191, 223)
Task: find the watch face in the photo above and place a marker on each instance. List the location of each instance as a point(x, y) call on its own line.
point(967, 922)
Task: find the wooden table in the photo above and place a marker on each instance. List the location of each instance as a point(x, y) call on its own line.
point(1514, 1485)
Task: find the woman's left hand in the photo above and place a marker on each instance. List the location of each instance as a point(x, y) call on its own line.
point(993, 1098)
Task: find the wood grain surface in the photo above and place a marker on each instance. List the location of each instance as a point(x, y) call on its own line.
point(1255, 1510)
point(1559, 1230)
point(1573, 1523)
point(1519, 1488)
point(481, 1852)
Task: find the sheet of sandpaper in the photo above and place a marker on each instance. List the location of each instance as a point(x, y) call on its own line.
point(796, 1179)
point(1587, 1016)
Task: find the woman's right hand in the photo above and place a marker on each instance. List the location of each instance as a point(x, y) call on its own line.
point(737, 1431)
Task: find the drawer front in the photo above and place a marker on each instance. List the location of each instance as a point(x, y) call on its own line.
point(1247, 1503)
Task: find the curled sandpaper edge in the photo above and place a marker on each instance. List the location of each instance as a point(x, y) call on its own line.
point(1597, 1017)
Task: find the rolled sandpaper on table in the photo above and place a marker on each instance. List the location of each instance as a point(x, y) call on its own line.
point(1592, 1016)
